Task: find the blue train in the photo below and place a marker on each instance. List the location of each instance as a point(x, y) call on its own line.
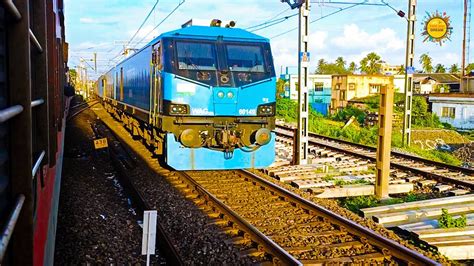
point(200, 97)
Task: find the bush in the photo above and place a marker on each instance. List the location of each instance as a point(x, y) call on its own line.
point(447, 221)
point(345, 114)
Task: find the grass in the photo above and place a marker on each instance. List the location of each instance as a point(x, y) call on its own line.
point(286, 109)
point(354, 204)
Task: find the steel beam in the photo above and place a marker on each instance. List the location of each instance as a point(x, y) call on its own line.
point(410, 55)
point(19, 85)
point(52, 72)
point(40, 85)
point(301, 151)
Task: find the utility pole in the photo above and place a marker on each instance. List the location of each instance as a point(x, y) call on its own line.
point(95, 62)
point(410, 54)
point(463, 63)
point(301, 151)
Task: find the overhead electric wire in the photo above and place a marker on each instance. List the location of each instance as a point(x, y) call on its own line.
point(268, 20)
point(163, 20)
point(274, 22)
point(322, 17)
point(143, 23)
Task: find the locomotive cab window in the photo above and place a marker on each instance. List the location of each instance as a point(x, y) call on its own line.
point(245, 58)
point(196, 56)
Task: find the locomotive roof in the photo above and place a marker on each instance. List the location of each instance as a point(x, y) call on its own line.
point(213, 32)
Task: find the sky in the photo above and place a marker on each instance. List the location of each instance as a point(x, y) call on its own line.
point(104, 26)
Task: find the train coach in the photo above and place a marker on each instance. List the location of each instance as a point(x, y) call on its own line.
point(201, 97)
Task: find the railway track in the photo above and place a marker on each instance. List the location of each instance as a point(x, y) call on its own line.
point(399, 161)
point(123, 162)
point(285, 228)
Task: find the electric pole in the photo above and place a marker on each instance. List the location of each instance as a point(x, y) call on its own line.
point(409, 71)
point(95, 62)
point(463, 63)
point(301, 151)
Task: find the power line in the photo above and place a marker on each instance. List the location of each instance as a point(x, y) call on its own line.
point(143, 23)
point(163, 20)
point(269, 20)
point(325, 16)
point(273, 22)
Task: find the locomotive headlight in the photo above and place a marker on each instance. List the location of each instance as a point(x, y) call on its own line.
point(263, 136)
point(230, 95)
point(220, 94)
point(178, 109)
point(266, 110)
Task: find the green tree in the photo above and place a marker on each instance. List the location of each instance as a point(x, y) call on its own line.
point(340, 62)
point(401, 70)
point(280, 88)
point(427, 63)
point(338, 67)
point(321, 66)
point(352, 67)
point(454, 68)
point(73, 76)
point(470, 68)
point(371, 64)
point(439, 68)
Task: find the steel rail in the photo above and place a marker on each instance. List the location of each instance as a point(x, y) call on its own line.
point(438, 177)
point(35, 42)
point(12, 9)
point(9, 227)
point(37, 164)
point(395, 249)
point(10, 112)
point(37, 102)
point(271, 247)
point(393, 153)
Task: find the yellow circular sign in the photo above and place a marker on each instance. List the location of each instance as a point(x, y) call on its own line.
point(437, 28)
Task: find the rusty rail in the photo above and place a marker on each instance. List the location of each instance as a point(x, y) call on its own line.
point(397, 250)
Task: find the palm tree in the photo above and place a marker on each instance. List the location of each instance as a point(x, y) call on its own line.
point(340, 62)
point(352, 67)
point(321, 66)
point(401, 70)
point(371, 64)
point(426, 62)
point(454, 69)
point(439, 68)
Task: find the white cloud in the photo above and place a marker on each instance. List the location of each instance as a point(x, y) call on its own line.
point(354, 38)
point(87, 20)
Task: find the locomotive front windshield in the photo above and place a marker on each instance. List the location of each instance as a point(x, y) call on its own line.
point(196, 56)
point(206, 61)
point(245, 58)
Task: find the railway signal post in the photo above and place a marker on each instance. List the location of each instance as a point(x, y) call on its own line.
point(409, 71)
point(384, 142)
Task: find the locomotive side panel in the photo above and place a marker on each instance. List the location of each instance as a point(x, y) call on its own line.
point(133, 80)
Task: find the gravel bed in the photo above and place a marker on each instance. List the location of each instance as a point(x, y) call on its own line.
point(95, 222)
point(196, 238)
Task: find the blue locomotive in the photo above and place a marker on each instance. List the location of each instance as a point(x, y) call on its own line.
point(201, 97)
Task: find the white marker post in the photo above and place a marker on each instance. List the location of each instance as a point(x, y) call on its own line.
point(149, 234)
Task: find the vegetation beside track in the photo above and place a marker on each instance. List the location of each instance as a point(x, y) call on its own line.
point(332, 126)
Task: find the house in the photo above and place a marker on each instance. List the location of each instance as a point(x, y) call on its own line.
point(456, 109)
point(390, 70)
point(347, 87)
point(319, 91)
point(435, 83)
